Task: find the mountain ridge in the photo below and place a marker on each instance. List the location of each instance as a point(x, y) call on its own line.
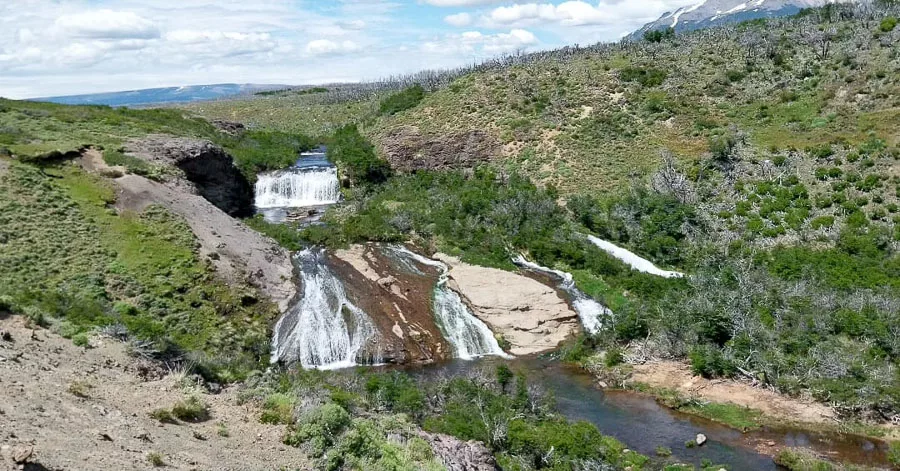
point(149, 96)
point(709, 13)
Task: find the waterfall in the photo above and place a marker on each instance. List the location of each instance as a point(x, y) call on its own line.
point(324, 330)
point(589, 310)
point(632, 259)
point(297, 187)
point(469, 336)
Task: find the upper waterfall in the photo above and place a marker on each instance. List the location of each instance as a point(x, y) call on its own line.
point(469, 336)
point(589, 310)
point(297, 187)
point(324, 330)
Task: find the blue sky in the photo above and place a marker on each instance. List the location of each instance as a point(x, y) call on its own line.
point(56, 47)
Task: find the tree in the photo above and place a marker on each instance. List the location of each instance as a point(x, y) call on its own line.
point(657, 35)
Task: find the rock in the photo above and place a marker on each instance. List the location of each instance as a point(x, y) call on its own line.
point(701, 439)
point(458, 455)
point(386, 282)
point(21, 454)
point(770, 443)
point(531, 316)
point(229, 127)
point(6, 336)
point(104, 437)
point(207, 166)
point(406, 149)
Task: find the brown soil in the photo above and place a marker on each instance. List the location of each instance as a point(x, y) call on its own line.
point(109, 428)
point(678, 376)
point(239, 254)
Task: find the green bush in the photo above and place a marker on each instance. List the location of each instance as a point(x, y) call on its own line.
point(888, 24)
point(81, 340)
point(657, 35)
point(648, 77)
point(278, 409)
point(355, 155)
point(318, 428)
point(395, 391)
point(402, 101)
point(709, 362)
point(192, 409)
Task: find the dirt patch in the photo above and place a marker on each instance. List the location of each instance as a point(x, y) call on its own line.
point(678, 376)
point(239, 254)
point(530, 315)
point(88, 409)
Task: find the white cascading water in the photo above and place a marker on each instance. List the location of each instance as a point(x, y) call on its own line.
point(324, 330)
point(589, 310)
point(470, 337)
point(633, 260)
point(297, 188)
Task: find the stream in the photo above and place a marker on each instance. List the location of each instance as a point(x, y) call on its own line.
point(325, 330)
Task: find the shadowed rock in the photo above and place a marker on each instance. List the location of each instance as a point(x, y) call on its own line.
point(407, 150)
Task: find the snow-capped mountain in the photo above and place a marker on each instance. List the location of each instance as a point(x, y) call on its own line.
point(715, 12)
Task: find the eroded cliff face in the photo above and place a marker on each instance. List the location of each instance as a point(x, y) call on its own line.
point(398, 300)
point(407, 150)
point(207, 166)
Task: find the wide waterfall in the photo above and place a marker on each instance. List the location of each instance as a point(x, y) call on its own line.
point(297, 187)
point(324, 330)
point(589, 310)
point(633, 260)
point(470, 337)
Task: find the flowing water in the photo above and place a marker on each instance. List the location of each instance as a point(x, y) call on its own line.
point(633, 260)
point(324, 330)
point(643, 425)
point(312, 182)
point(589, 310)
point(468, 335)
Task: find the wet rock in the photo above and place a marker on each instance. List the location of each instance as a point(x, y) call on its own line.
point(458, 455)
point(406, 149)
point(701, 439)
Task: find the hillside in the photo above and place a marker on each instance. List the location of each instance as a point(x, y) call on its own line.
point(761, 158)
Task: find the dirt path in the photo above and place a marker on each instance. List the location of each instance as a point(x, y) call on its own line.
point(678, 376)
point(109, 429)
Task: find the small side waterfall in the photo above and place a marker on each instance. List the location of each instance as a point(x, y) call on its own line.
point(469, 336)
point(589, 310)
point(324, 330)
point(633, 260)
point(297, 187)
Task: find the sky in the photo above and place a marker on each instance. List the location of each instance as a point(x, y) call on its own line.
point(63, 47)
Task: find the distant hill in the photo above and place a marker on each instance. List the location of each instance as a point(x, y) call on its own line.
point(716, 12)
point(162, 95)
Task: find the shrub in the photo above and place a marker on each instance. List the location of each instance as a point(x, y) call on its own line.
point(192, 409)
point(163, 415)
point(318, 428)
point(657, 35)
point(888, 24)
point(80, 389)
point(709, 362)
point(81, 340)
point(278, 409)
point(402, 101)
point(646, 77)
point(156, 459)
point(351, 151)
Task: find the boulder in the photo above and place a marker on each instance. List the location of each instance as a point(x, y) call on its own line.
point(701, 439)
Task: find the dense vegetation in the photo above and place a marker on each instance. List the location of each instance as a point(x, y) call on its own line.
point(365, 420)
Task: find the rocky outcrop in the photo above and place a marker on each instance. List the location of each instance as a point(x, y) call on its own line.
point(229, 127)
point(207, 166)
point(398, 300)
point(531, 316)
point(239, 254)
point(407, 150)
point(458, 455)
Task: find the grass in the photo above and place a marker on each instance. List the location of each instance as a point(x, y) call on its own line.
point(732, 415)
point(278, 409)
point(155, 459)
point(74, 258)
point(80, 389)
point(192, 409)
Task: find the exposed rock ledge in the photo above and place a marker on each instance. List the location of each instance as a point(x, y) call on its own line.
point(239, 254)
point(529, 314)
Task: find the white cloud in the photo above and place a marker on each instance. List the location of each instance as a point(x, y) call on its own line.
point(460, 3)
point(574, 13)
point(459, 20)
point(107, 24)
point(328, 47)
point(478, 43)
